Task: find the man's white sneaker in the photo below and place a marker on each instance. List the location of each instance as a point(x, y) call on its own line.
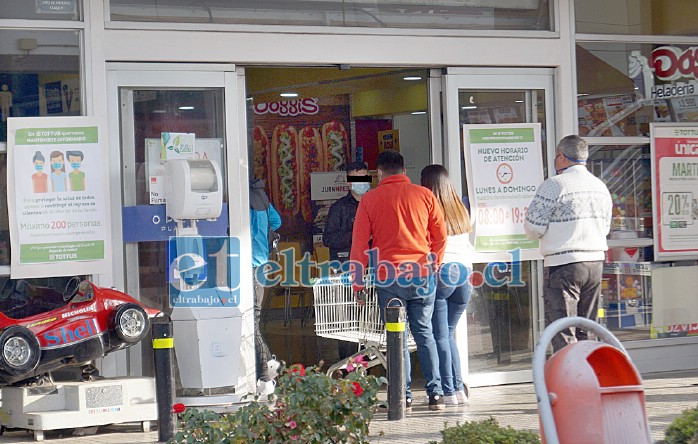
point(265, 388)
point(450, 400)
point(462, 397)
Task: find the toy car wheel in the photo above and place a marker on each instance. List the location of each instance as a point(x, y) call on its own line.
point(131, 323)
point(19, 350)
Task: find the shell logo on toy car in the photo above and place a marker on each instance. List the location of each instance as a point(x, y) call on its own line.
point(41, 322)
point(91, 308)
point(74, 332)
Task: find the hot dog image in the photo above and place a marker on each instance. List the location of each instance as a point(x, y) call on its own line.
point(261, 155)
point(311, 160)
point(283, 174)
point(335, 141)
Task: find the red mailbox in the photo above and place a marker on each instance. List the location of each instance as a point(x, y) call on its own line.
point(596, 396)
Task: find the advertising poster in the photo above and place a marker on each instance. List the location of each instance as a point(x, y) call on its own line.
point(388, 140)
point(685, 108)
point(291, 140)
point(57, 190)
point(506, 166)
point(675, 188)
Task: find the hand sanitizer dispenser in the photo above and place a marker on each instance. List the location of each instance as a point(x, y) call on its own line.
point(193, 189)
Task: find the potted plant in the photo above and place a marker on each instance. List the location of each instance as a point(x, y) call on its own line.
point(307, 407)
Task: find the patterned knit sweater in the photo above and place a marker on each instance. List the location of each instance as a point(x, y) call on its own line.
point(571, 214)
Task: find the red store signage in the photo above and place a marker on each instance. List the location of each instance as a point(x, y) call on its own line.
point(671, 63)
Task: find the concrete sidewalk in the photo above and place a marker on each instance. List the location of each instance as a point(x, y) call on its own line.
point(512, 405)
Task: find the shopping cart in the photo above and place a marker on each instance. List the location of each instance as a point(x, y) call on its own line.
point(338, 316)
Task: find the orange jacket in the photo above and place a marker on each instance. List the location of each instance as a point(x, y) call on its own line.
point(405, 222)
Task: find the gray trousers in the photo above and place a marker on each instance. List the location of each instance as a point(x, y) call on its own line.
point(262, 354)
point(571, 290)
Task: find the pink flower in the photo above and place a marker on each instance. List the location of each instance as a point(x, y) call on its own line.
point(361, 359)
point(355, 362)
point(178, 408)
point(291, 424)
point(356, 388)
point(294, 437)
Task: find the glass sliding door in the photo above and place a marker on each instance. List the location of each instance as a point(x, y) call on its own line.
point(154, 99)
point(502, 323)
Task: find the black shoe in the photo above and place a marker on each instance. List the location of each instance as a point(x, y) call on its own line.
point(436, 402)
point(408, 404)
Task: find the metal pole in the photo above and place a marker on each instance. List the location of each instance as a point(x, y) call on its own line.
point(395, 318)
point(163, 346)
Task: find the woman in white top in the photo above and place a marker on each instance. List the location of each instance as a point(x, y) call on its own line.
point(454, 287)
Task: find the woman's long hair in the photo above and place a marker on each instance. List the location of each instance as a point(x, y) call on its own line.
point(435, 177)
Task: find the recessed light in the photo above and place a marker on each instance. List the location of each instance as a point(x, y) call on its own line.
point(469, 107)
point(289, 94)
point(416, 113)
point(412, 78)
point(185, 108)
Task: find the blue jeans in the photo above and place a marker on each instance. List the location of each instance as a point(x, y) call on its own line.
point(452, 297)
point(419, 304)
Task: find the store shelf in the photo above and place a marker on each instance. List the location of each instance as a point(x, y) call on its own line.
point(632, 242)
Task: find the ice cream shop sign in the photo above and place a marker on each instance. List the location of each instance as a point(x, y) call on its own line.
point(671, 63)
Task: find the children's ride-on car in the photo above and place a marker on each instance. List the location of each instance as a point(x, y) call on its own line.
point(43, 330)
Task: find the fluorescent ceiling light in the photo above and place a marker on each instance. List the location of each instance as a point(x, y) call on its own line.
point(518, 101)
point(416, 113)
point(185, 108)
point(469, 107)
point(289, 94)
point(582, 94)
point(412, 78)
point(158, 111)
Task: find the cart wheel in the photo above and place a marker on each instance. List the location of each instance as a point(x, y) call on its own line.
point(38, 435)
point(19, 350)
point(145, 426)
point(131, 323)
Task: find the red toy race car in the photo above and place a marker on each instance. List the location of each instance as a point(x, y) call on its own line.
point(42, 329)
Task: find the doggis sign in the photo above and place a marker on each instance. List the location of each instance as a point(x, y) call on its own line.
point(672, 63)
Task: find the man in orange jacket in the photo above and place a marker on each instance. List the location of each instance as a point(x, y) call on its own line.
point(408, 231)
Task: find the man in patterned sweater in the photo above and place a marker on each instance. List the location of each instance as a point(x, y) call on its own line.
point(571, 215)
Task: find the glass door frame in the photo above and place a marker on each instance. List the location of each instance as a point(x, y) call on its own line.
point(456, 79)
point(122, 80)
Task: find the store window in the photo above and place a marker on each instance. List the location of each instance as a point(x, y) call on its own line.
point(39, 76)
point(532, 15)
point(636, 17)
point(626, 284)
point(622, 89)
point(41, 9)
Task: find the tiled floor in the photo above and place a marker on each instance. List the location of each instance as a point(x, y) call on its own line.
point(512, 405)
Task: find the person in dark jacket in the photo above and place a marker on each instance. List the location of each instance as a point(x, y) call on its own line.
point(338, 228)
point(263, 216)
point(340, 219)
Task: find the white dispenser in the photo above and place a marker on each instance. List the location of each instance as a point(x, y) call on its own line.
point(193, 189)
